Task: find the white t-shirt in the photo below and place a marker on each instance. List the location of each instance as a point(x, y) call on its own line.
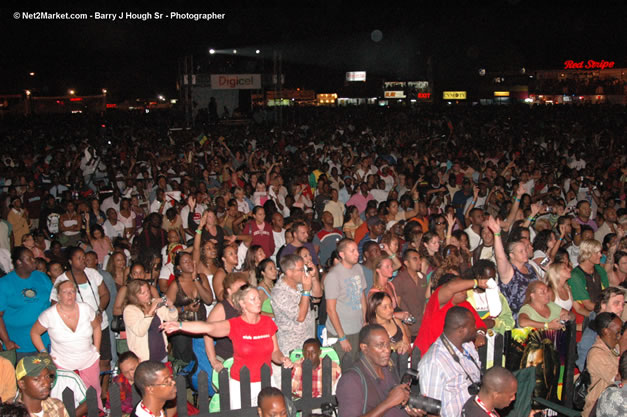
point(108, 203)
point(113, 230)
point(279, 241)
point(86, 293)
point(473, 238)
point(69, 379)
point(71, 350)
point(128, 222)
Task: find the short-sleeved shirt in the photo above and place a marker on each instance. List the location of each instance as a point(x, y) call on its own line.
point(22, 301)
point(252, 346)
point(586, 286)
point(432, 328)
point(535, 316)
point(347, 287)
point(86, 293)
point(327, 241)
point(613, 402)
point(291, 249)
point(73, 350)
point(69, 379)
point(285, 306)
point(413, 297)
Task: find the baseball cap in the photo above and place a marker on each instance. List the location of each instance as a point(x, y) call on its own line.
point(33, 365)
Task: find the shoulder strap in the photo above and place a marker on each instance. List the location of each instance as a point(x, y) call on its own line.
point(364, 385)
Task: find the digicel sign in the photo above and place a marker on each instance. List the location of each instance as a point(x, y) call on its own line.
point(591, 64)
point(236, 81)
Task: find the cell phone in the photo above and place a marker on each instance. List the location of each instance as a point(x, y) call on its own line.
point(164, 301)
point(545, 262)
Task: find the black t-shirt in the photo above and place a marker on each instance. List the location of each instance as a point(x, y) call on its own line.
point(472, 409)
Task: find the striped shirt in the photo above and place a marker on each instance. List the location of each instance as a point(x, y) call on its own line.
point(69, 379)
point(441, 377)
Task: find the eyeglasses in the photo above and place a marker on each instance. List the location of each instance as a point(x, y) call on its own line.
point(439, 223)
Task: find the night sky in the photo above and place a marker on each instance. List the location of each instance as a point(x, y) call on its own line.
point(319, 42)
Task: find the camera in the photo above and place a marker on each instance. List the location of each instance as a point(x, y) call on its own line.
point(416, 399)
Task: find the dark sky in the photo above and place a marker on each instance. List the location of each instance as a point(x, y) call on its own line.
point(319, 42)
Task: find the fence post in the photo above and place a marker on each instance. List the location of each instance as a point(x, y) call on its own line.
point(68, 401)
point(115, 402)
point(181, 396)
point(286, 381)
point(307, 387)
point(225, 390)
point(266, 375)
point(203, 394)
point(244, 387)
point(498, 350)
point(93, 408)
point(569, 371)
point(327, 377)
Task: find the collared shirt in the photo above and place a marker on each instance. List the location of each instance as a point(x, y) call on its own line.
point(316, 379)
point(51, 407)
point(441, 377)
point(286, 305)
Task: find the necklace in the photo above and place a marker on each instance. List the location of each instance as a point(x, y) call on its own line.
point(480, 403)
point(67, 316)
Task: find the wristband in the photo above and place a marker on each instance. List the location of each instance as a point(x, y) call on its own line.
point(341, 339)
point(473, 202)
point(516, 199)
point(182, 309)
point(305, 293)
point(43, 351)
point(481, 331)
point(476, 283)
point(546, 325)
point(180, 325)
point(198, 231)
point(561, 238)
point(530, 218)
point(392, 256)
point(497, 234)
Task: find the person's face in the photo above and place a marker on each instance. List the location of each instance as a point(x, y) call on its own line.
point(504, 398)
point(433, 245)
point(54, 271)
point(612, 333)
point(378, 348)
point(470, 328)
point(127, 368)
point(350, 254)
point(386, 269)
point(385, 311)
point(327, 218)
point(251, 302)
point(230, 255)
point(211, 218)
point(596, 257)
point(37, 387)
point(143, 294)
point(477, 217)
point(519, 253)
point(270, 271)
point(119, 261)
point(186, 264)
point(615, 305)
point(487, 236)
point(373, 252)
point(378, 229)
point(112, 216)
point(260, 255)
point(173, 237)
point(137, 272)
point(440, 222)
point(278, 220)
point(541, 294)
point(29, 242)
point(260, 216)
point(370, 212)
point(70, 207)
point(272, 407)
point(164, 386)
point(622, 265)
point(584, 210)
point(210, 250)
point(91, 261)
point(312, 352)
point(78, 260)
point(301, 234)
point(413, 262)
point(67, 293)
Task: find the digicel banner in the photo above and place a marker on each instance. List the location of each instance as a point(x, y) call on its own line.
point(236, 81)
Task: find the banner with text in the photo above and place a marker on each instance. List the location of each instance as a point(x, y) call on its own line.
point(236, 81)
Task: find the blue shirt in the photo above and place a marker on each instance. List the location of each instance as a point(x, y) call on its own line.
point(21, 301)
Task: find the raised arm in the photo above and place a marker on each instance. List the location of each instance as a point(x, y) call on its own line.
point(505, 269)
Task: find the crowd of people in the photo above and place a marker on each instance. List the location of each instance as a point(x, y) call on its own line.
point(129, 243)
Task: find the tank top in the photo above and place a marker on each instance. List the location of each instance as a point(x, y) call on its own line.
point(398, 336)
point(565, 304)
point(183, 300)
point(223, 345)
point(266, 307)
point(514, 291)
point(100, 246)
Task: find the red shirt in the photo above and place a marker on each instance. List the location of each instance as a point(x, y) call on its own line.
point(433, 321)
point(262, 236)
point(252, 346)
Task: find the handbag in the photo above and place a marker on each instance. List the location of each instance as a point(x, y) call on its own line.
point(117, 324)
point(580, 389)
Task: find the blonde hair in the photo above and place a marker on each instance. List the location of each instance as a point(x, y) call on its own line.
point(587, 248)
point(240, 294)
point(553, 277)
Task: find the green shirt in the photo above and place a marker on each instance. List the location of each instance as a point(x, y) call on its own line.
point(584, 287)
point(535, 316)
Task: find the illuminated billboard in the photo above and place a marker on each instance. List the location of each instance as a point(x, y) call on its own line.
point(454, 95)
point(356, 76)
